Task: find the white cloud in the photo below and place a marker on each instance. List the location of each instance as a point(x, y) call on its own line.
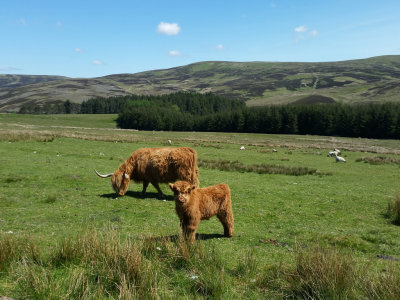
point(301, 28)
point(168, 28)
point(97, 62)
point(302, 33)
point(174, 53)
point(79, 50)
point(220, 47)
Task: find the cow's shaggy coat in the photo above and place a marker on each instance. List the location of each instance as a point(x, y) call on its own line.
point(156, 165)
point(195, 204)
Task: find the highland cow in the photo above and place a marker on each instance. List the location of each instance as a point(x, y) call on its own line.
point(155, 165)
point(194, 204)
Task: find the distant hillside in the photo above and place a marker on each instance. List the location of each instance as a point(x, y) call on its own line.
point(375, 79)
point(13, 81)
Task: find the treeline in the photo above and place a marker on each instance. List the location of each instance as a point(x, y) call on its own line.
point(370, 121)
point(184, 102)
point(66, 107)
point(189, 111)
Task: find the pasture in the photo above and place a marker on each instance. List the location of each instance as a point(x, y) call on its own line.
point(52, 206)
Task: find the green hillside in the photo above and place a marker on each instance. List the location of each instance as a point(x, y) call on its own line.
point(12, 81)
point(374, 79)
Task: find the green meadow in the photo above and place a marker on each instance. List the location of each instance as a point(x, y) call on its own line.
point(329, 234)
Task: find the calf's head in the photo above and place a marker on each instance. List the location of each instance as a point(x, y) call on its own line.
point(119, 181)
point(182, 190)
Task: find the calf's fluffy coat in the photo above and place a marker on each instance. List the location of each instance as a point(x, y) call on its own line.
point(195, 204)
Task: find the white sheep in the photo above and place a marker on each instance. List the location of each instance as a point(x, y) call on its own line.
point(242, 148)
point(339, 158)
point(169, 142)
point(332, 153)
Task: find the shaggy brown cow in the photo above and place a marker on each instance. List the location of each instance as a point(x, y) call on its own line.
point(155, 165)
point(195, 204)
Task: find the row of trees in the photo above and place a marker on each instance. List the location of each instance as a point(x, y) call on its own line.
point(370, 121)
point(66, 107)
point(190, 102)
point(188, 111)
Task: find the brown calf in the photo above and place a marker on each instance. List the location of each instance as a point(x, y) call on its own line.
point(195, 204)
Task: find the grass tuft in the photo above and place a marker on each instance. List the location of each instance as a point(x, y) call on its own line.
point(13, 179)
point(25, 135)
point(393, 211)
point(14, 249)
point(318, 274)
point(379, 160)
point(209, 278)
point(107, 266)
point(247, 265)
point(50, 199)
point(34, 281)
point(236, 166)
point(326, 273)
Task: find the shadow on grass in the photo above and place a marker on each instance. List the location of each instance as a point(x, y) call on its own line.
point(139, 195)
point(199, 237)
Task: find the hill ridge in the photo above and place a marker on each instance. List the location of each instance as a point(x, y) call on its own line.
point(375, 79)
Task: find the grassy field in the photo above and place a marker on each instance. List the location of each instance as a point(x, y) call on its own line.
point(63, 235)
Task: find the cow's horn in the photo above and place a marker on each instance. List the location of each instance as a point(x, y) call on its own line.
point(103, 176)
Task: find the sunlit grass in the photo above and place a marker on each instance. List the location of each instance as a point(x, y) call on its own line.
point(283, 223)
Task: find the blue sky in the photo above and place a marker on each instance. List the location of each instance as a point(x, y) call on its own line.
point(88, 38)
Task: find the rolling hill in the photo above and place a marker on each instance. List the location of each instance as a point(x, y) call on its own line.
point(374, 79)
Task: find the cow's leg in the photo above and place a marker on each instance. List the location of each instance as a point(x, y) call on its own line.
point(145, 185)
point(226, 218)
point(160, 193)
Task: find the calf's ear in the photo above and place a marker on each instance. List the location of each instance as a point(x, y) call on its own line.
point(171, 186)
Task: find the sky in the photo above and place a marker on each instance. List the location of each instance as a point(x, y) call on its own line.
point(85, 38)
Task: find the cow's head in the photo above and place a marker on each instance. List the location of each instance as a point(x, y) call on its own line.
point(119, 181)
point(182, 190)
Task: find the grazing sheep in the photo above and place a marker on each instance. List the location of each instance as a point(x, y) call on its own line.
point(169, 142)
point(332, 153)
point(155, 165)
point(242, 148)
point(195, 204)
point(339, 159)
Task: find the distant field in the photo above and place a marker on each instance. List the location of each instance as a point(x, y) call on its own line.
point(53, 121)
point(50, 194)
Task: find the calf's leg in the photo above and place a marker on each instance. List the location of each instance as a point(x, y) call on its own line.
point(189, 232)
point(226, 218)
